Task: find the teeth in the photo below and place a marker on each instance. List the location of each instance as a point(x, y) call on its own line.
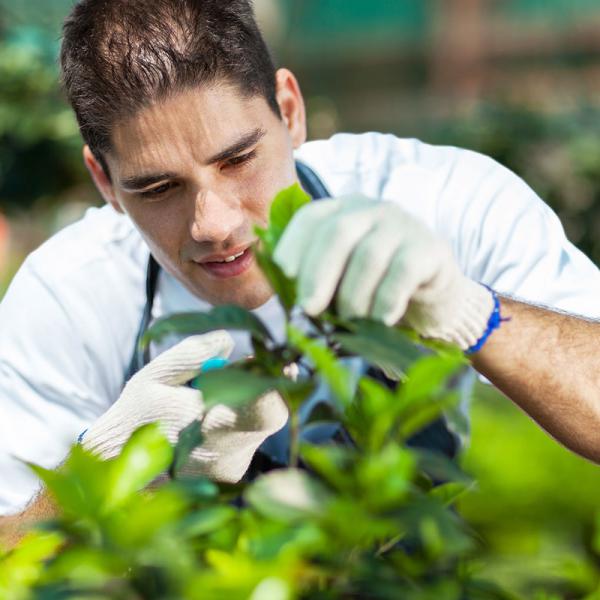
point(232, 258)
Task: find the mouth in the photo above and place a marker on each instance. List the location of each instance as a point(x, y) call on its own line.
point(225, 266)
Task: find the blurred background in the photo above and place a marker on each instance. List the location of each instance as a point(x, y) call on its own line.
point(516, 79)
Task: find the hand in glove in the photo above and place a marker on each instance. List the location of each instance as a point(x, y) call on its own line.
point(381, 263)
point(158, 393)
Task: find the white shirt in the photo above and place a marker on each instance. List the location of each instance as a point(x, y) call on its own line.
point(69, 319)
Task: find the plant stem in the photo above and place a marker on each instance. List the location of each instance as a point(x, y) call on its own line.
point(294, 439)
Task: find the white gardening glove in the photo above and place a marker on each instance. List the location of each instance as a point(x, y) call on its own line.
point(381, 263)
point(158, 393)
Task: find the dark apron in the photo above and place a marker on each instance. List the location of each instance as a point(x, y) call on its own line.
point(275, 449)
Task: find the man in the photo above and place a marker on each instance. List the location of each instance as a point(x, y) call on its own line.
point(189, 134)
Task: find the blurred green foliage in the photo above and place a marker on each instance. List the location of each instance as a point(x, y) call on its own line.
point(39, 140)
point(535, 503)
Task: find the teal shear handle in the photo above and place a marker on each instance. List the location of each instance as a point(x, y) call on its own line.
point(212, 364)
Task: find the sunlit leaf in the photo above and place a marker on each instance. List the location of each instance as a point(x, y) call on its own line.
point(426, 377)
point(79, 485)
point(283, 286)
point(332, 463)
point(449, 492)
point(23, 566)
point(146, 455)
point(284, 206)
point(287, 495)
point(420, 415)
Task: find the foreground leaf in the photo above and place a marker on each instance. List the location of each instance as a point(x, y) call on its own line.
point(220, 317)
point(339, 379)
point(188, 440)
point(385, 347)
point(287, 495)
point(235, 387)
point(283, 286)
point(144, 457)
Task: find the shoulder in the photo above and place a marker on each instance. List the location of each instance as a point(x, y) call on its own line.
point(417, 175)
point(357, 159)
point(102, 237)
point(82, 289)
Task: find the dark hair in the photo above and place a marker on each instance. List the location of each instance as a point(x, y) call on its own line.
point(118, 56)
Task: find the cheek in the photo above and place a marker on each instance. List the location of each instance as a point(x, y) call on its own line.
point(161, 225)
point(266, 185)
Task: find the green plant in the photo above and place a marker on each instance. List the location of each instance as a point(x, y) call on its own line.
point(372, 518)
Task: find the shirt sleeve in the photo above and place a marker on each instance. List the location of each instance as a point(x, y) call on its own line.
point(505, 236)
point(52, 384)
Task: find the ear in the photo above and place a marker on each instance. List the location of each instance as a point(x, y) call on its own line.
point(101, 179)
point(291, 104)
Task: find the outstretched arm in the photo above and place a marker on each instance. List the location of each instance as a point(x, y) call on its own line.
point(13, 528)
point(371, 259)
point(548, 363)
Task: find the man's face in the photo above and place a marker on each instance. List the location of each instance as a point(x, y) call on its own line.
point(196, 173)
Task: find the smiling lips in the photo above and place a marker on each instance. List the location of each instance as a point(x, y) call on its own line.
point(229, 266)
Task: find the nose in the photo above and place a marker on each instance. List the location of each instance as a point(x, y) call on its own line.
point(215, 218)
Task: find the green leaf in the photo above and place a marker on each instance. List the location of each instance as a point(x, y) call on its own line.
point(339, 379)
point(437, 466)
point(146, 455)
point(206, 520)
point(287, 495)
point(79, 485)
point(385, 347)
point(23, 566)
point(332, 463)
point(235, 387)
point(449, 492)
point(141, 521)
point(424, 413)
point(426, 377)
point(220, 317)
point(371, 418)
point(188, 440)
point(197, 488)
point(283, 208)
point(283, 286)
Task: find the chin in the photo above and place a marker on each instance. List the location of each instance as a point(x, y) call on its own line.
point(249, 296)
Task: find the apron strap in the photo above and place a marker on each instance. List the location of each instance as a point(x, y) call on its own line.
point(139, 357)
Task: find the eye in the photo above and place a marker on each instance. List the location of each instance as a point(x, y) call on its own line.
point(237, 161)
point(159, 190)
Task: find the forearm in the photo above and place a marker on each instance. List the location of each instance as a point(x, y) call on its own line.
point(548, 363)
point(13, 528)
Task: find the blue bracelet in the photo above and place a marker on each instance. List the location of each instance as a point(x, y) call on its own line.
point(494, 322)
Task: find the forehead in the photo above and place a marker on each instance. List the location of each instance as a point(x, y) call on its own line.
point(194, 123)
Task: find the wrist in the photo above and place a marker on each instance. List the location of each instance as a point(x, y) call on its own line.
point(493, 323)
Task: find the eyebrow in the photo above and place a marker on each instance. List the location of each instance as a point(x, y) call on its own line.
point(139, 182)
point(242, 144)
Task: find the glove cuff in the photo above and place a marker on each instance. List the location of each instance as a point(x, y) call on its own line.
point(493, 323)
point(465, 319)
point(471, 325)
